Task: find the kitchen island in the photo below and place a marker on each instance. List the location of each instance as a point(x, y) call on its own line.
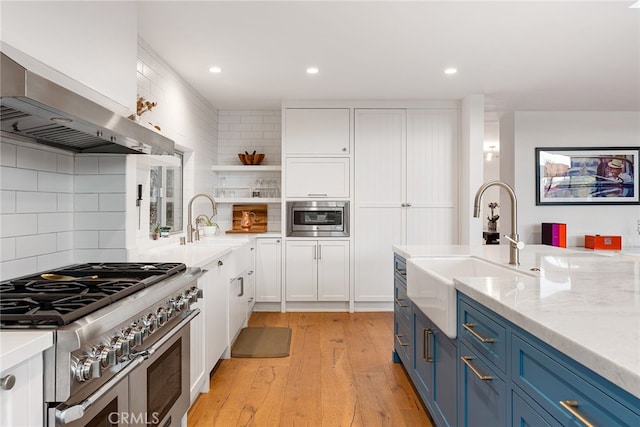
point(584, 304)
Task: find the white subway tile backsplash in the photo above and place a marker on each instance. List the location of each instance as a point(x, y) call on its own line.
point(86, 239)
point(37, 244)
point(65, 164)
point(30, 158)
point(99, 220)
point(101, 255)
point(57, 182)
point(18, 268)
point(99, 183)
point(8, 154)
point(55, 222)
point(55, 260)
point(18, 179)
point(112, 165)
point(28, 201)
point(65, 202)
point(18, 225)
point(64, 241)
point(86, 164)
point(86, 202)
point(7, 249)
point(7, 201)
point(112, 239)
point(112, 202)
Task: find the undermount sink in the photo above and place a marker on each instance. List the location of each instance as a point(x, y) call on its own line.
point(431, 287)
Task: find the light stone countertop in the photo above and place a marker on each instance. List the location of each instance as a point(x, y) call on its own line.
point(584, 303)
point(18, 346)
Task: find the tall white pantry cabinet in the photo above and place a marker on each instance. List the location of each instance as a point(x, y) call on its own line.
point(405, 189)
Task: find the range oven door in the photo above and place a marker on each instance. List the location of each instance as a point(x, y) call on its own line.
point(105, 410)
point(159, 387)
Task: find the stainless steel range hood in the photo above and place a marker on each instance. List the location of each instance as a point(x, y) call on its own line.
point(37, 108)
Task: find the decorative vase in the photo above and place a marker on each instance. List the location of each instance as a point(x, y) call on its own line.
point(493, 226)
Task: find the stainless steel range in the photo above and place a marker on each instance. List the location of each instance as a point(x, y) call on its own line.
point(121, 345)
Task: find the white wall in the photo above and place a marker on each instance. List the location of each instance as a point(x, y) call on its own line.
point(522, 132)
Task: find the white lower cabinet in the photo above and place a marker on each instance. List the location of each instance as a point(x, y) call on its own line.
point(216, 308)
point(241, 287)
point(198, 376)
point(317, 270)
point(269, 270)
point(22, 405)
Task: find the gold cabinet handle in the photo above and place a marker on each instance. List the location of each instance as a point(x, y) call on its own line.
point(401, 304)
point(570, 406)
point(469, 327)
point(401, 272)
point(427, 334)
point(467, 361)
point(403, 344)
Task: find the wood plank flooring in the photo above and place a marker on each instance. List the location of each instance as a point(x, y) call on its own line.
point(339, 373)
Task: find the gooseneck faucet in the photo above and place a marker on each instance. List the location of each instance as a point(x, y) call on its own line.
point(516, 244)
point(191, 230)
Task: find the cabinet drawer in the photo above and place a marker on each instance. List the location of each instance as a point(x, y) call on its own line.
point(404, 341)
point(523, 414)
point(549, 382)
point(484, 334)
point(402, 304)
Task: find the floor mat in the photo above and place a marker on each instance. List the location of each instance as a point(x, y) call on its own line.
point(262, 342)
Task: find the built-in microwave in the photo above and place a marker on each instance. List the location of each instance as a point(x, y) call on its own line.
point(322, 218)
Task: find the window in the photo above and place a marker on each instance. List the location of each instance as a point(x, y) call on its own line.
point(166, 196)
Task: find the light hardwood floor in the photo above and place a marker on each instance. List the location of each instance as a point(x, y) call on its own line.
point(339, 373)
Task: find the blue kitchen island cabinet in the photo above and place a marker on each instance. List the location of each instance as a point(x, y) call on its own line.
point(403, 318)
point(507, 376)
point(435, 369)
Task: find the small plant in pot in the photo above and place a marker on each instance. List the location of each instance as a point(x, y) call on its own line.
point(155, 231)
point(209, 228)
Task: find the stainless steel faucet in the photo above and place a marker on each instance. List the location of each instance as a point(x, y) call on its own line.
point(190, 228)
point(516, 244)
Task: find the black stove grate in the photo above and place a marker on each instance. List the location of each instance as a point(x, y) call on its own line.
point(34, 301)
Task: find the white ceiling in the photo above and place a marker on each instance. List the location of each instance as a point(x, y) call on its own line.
point(542, 55)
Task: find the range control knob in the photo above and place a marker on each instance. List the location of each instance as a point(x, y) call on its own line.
point(150, 322)
point(134, 335)
point(194, 294)
point(182, 304)
point(161, 316)
point(88, 368)
point(120, 345)
point(106, 355)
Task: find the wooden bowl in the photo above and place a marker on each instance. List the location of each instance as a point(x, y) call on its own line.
point(251, 159)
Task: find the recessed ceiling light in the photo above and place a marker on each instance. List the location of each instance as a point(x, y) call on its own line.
point(215, 70)
point(312, 70)
point(450, 71)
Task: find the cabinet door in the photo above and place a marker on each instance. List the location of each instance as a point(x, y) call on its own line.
point(301, 270)
point(237, 307)
point(317, 177)
point(197, 351)
point(333, 270)
point(22, 405)
point(269, 270)
point(216, 311)
point(432, 176)
point(424, 356)
point(379, 195)
point(482, 402)
point(444, 384)
point(316, 130)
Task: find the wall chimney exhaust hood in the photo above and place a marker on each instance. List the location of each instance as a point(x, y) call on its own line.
point(39, 109)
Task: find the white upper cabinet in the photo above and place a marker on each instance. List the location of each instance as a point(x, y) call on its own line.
point(316, 177)
point(322, 131)
point(88, 47)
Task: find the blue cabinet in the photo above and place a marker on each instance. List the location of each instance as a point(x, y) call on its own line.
point(507, 376)
point(403, 330)
point(435, 369)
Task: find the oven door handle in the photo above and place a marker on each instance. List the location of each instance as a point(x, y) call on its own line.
point(77, 411)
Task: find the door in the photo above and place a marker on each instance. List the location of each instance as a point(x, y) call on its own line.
point(237, 306)
point(379, 195)
point(301, 270)
point(333, 270)
point(317, 131)
point(269, 270)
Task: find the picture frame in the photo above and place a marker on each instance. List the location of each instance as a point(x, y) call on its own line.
point(587, 175)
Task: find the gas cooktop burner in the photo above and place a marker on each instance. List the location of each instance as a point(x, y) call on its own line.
point(35, 301)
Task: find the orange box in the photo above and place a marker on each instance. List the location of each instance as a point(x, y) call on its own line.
point(602, 242)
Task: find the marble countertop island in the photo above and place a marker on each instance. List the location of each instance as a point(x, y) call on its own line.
point(584, 303)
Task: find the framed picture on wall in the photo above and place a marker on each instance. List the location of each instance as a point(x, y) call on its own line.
point(587, 176)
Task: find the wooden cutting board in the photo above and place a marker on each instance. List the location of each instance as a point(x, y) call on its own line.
point(259, 221)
